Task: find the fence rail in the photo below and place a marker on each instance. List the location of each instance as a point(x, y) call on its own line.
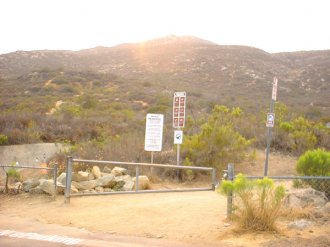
point(320, 183)
point(54, 169)
point(69, 168)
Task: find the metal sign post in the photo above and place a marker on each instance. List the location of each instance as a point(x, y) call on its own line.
point(270, 123)
point(179, 115)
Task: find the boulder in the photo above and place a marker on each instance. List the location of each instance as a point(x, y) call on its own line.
point(119, 171)
point(76, 185)
point(62, 178)
point(107, 169)
point(107, 181)
point(96, 172)
point(36, 190)
point(47, 186)
point(125, 182)
point(305, 197)
point(82, 176)
point(300, 224)
point(99, 189)
point(129, 185)
point(30, 184)
point(144, 182)
point(88, 185)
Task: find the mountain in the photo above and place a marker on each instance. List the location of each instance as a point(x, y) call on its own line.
point(210, 73)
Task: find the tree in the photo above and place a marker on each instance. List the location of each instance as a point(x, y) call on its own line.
point(218, 142)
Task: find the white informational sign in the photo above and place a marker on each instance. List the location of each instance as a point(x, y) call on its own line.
point(178, 136)
point(154, 132)
point(274, 92)
point(179, 109)
point(270, 120)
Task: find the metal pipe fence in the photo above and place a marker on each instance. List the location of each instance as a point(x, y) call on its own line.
point(54, 169)
point(69, 169)
point(319, 183)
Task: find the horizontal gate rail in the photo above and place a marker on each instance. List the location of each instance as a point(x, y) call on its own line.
point(69, 168)
point(54, 169)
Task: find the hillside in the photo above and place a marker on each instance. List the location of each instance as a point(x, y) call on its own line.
point(210, 73)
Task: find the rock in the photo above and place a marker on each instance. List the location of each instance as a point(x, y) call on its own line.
point(2, 188)
point(30, 184)
point(96, 172)
point(62, 178)
point(107, 181)
point(305, 197)
point(300, 224)
point(88, 185)
point(99, 189)
point(82, 176)
point(36, 190)
point(107, 169)
point(119, 184)
point(119, 171)
point(144, 182)
point(47, 186)
point(76, 185)
point(128, 182)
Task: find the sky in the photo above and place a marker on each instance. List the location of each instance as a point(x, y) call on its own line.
point(271, 25)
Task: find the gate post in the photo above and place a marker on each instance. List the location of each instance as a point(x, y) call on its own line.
point(137, 174)
point(68, 179)
point(55, 180)
point(213, 179)
point(230, 194)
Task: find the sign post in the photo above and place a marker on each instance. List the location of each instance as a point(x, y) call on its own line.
point(179, 115)
point(154, 133)
point(270, 123)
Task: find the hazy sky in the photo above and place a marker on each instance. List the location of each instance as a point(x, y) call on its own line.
point(271, 25)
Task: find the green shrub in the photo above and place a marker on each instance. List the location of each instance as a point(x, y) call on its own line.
point(257, 202)
point(315, 163)
point(3, 139)
point(218, 142)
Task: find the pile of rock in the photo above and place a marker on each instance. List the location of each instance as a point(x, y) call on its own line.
point(109, 180)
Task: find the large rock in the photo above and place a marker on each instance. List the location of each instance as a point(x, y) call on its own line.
point(47, 186)
point(144, 182)
point(82, 176)
point(124, 183)
point(36, 190)
point(119, 171)
point(107, 169)
point(96, 172)
point(62, 178)
point(305, 197)
point(88, 185)
point(30, 184)
point(107, 181)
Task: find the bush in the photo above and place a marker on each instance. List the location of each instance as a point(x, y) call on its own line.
point(315, 163)
point(217, 143)
point(259, 202)
point(3, 139)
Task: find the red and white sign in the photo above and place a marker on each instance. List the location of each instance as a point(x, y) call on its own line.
point(274, 92)
point(179, 109)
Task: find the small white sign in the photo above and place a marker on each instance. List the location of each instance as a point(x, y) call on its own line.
point(154, 132)
point(270, 120)
point(178, 136)
point(274, 92)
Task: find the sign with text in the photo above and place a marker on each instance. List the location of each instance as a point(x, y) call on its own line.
point(274, 92)
point(154, 132)
point(179, 109)
point(270, 120)
point(178, 136)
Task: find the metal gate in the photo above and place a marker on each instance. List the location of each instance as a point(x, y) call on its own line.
point(70, 163)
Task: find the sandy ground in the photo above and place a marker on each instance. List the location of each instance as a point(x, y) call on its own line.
point(189, 217)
